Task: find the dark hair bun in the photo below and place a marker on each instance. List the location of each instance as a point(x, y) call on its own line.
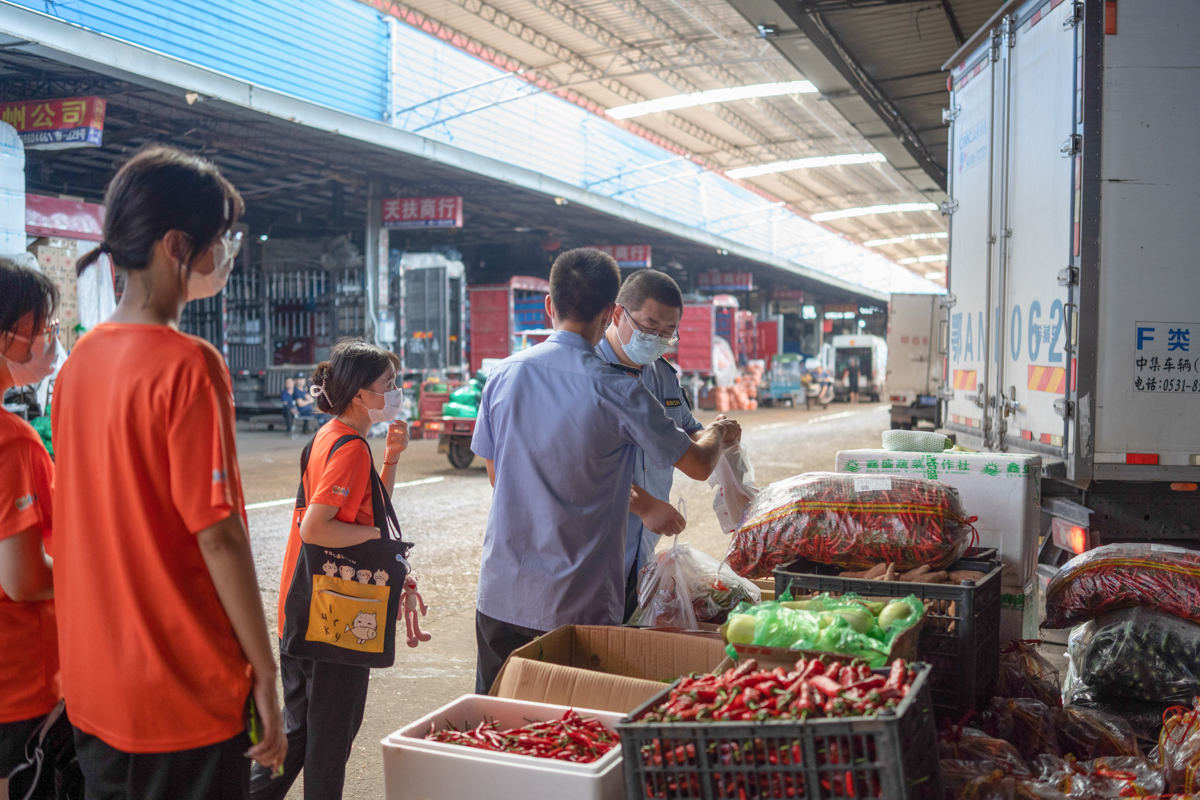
point(319, 377)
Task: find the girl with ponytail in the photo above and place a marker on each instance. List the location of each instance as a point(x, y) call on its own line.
point(324, 701)
point(163, 640)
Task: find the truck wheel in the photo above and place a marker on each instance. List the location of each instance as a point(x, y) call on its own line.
point(460, 455)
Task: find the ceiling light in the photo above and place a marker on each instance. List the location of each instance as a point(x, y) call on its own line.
point(934, 276)
point(922, 259)
point(865, 210)
point(712, 96)
point(805, 163)
point(912, 237)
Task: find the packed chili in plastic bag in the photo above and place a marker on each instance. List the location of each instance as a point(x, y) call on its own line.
point(1089, 734)
point(853, 521)
point(975, 780)
point(1024, 672)
point(972, 744)
point(1028, 724)
point(1118, 576)
point(1117, 777)
point(1138, 654)
point(1179, 748)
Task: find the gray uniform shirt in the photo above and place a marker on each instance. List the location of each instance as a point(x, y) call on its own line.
point(564, 430)
point(660, 380)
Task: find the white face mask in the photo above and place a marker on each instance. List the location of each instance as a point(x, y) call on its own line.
point(40, 364)
point(393, 401)
point(200, 285)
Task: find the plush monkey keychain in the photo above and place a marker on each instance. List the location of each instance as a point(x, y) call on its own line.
point(412, 622)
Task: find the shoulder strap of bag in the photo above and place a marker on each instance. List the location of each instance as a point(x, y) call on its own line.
point(301, 499)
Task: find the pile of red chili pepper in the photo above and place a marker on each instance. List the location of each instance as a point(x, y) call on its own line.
point(815, 688)
point(571, 738)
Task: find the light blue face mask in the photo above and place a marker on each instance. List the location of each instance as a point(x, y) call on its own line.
point(642, 348)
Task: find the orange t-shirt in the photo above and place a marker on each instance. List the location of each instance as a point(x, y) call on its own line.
point(28, 639)
point(345, 482)
point(143, 426)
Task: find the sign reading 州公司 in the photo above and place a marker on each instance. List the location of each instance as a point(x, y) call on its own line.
point(422, 212)
point(626, 255)
point(57, 124)
point(1166, 357)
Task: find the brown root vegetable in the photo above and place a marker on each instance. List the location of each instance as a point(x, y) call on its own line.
point(913, 574)
point(966, 575)
point(875, 572)
point(890, 574)
point(933, 577)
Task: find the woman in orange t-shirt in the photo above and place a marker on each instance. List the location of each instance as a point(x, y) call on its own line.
point(162, 636)
point(324, 702)
point(28, 642)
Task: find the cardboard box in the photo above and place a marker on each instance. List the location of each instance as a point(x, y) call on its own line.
point(417, 769)
point(609, 668)
point(1003, 491)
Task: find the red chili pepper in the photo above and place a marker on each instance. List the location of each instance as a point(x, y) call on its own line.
point(897, 674)
point(827, 686)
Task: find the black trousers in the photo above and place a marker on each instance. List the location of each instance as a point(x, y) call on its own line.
point(13, 736)
point(322, 710)
point(631, 591)
point(496, 640)
point(215, 772)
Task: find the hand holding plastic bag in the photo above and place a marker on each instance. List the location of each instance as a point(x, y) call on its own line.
point(683, 587)
point(734, 479)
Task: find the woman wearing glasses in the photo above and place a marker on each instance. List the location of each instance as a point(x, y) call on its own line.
point(28, 641)
point(162, 635)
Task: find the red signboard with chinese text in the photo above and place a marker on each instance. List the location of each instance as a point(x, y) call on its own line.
point(627, 255)
point(725, 281)
point(422, 212)
point(787, 294)
point(57, 124)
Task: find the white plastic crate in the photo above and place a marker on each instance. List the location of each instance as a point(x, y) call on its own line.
point(415, 768)
point(1003, 491)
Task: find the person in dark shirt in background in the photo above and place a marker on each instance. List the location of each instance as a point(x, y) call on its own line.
point(290, 411)
point(306, 405)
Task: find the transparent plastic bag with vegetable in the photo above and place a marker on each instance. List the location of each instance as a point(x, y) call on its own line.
point(684, 586)
point(1137, 654)
point(1117, 576)
point(852, 521)
point(1093, 779)
point(1024, 672)
point(1179, 748)
point(846, 625)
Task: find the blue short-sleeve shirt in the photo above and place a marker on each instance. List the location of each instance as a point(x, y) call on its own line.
point(565, 430)
point(661, 380)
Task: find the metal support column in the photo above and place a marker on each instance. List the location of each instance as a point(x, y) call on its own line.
point(373, 269)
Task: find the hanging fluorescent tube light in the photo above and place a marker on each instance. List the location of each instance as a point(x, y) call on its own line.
point(805, 163)
point(912, 237)
point(711, 96)
point(922, 259)
point(934, 276)
point(865, 210)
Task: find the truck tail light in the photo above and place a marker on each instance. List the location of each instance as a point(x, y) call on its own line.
point(1071, 537)
point(1141, 458)
point(898, 398)
point(1183, 487)
point(433, 426)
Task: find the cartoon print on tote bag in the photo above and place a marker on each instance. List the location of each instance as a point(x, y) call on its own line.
point(364, 576)
point(347, 573)
point(363, 627)
point(330, 569)
point(381, 578)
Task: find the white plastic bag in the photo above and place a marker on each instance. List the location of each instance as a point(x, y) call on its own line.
point(683, 587)
point(734, 479)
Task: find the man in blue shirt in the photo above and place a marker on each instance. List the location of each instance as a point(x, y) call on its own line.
point(649, 308)
point(560, 431)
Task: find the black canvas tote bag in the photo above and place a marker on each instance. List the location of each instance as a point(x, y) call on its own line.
point(343, 602)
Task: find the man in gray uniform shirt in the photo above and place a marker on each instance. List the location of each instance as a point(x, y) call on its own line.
point(645, 324)
point(560, 430)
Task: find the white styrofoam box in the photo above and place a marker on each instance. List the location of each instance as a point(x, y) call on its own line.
point(1003, 491)
point(1019, 612)
point(415, 768)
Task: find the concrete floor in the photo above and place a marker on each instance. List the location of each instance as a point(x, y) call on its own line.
point(445, 513)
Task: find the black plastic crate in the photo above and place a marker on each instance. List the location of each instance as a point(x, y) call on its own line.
point(961, 637)
point(892, 755)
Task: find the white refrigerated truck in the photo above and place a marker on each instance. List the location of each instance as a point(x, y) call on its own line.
point(914, 371)
point(1072, 322)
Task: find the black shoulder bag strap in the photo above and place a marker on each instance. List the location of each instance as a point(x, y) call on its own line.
point(381, 505)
